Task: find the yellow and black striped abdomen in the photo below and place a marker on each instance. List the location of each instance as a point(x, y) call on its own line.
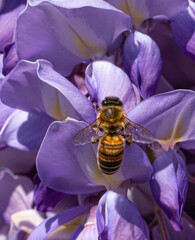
point(110, 153)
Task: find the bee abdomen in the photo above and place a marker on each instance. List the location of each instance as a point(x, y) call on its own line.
point(109, 167)
point(110, 154)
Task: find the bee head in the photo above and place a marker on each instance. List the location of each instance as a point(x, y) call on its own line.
point(110, 101)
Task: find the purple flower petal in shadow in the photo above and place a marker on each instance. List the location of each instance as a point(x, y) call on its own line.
point(169, 185)
point(183, 30)
point(10, 59)
point(8, 25)
point(46, 198)
point(4, 229)
point(16, 194)
point(188, 232)
point(142, 62)
point(178, 69)
point(1, 66)
point(141, 196)
point(9, 5)
point(19, 162)
point(25, 131)
point(118, 218)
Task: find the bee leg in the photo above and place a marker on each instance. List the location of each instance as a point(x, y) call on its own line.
point(128, 139)
point(96, 106)
point(95, 140)
point(129, 143)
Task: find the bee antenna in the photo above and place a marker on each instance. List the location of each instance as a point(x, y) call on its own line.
point(96, 106)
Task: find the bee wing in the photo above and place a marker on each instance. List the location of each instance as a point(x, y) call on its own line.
point(137, 133)
point(88, 134)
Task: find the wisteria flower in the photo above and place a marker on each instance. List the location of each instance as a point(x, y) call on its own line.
point(91, 177)
point(58, 60)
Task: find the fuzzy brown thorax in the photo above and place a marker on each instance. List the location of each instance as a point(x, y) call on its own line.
point(111, 115)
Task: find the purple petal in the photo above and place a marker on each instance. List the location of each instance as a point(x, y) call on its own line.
point(10, 58)
point(178, 69)
point(1, 66)
point(169, 117)
point(9, 5)
point(135, 166)
point(183, 30)
point(188, 232)
point(18, 161)
point(46, 198)
point(7, 25)
point(4, 229)
point(50, 224)
point(23, 222)
point(142, 62)
point(16, 194)
point(166, 9)
point(70, 160)
point(145, 9)
point(141, 196)
point(136, 9)
point(25, 131)
point(169, 185)
point(36, 86)
point(164, 86)
point(72, 100)
point(105, 79)
point(5, 112)
point(69, 32)
point(16, 233)
point(76, 232)
point(118, 218)
point(90, 228)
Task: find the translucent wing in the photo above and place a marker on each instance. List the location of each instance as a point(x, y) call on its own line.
point(88, 134)
point(137, 133)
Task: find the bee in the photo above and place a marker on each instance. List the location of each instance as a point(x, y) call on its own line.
point(112, 121)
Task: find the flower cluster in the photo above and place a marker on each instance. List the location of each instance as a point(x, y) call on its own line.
point(59, 59)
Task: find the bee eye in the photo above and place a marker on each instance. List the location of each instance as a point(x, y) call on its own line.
point(119, 103)
point(105, 102)
point(112, 101)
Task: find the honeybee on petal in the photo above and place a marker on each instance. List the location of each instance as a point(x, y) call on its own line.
point(111, 120)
